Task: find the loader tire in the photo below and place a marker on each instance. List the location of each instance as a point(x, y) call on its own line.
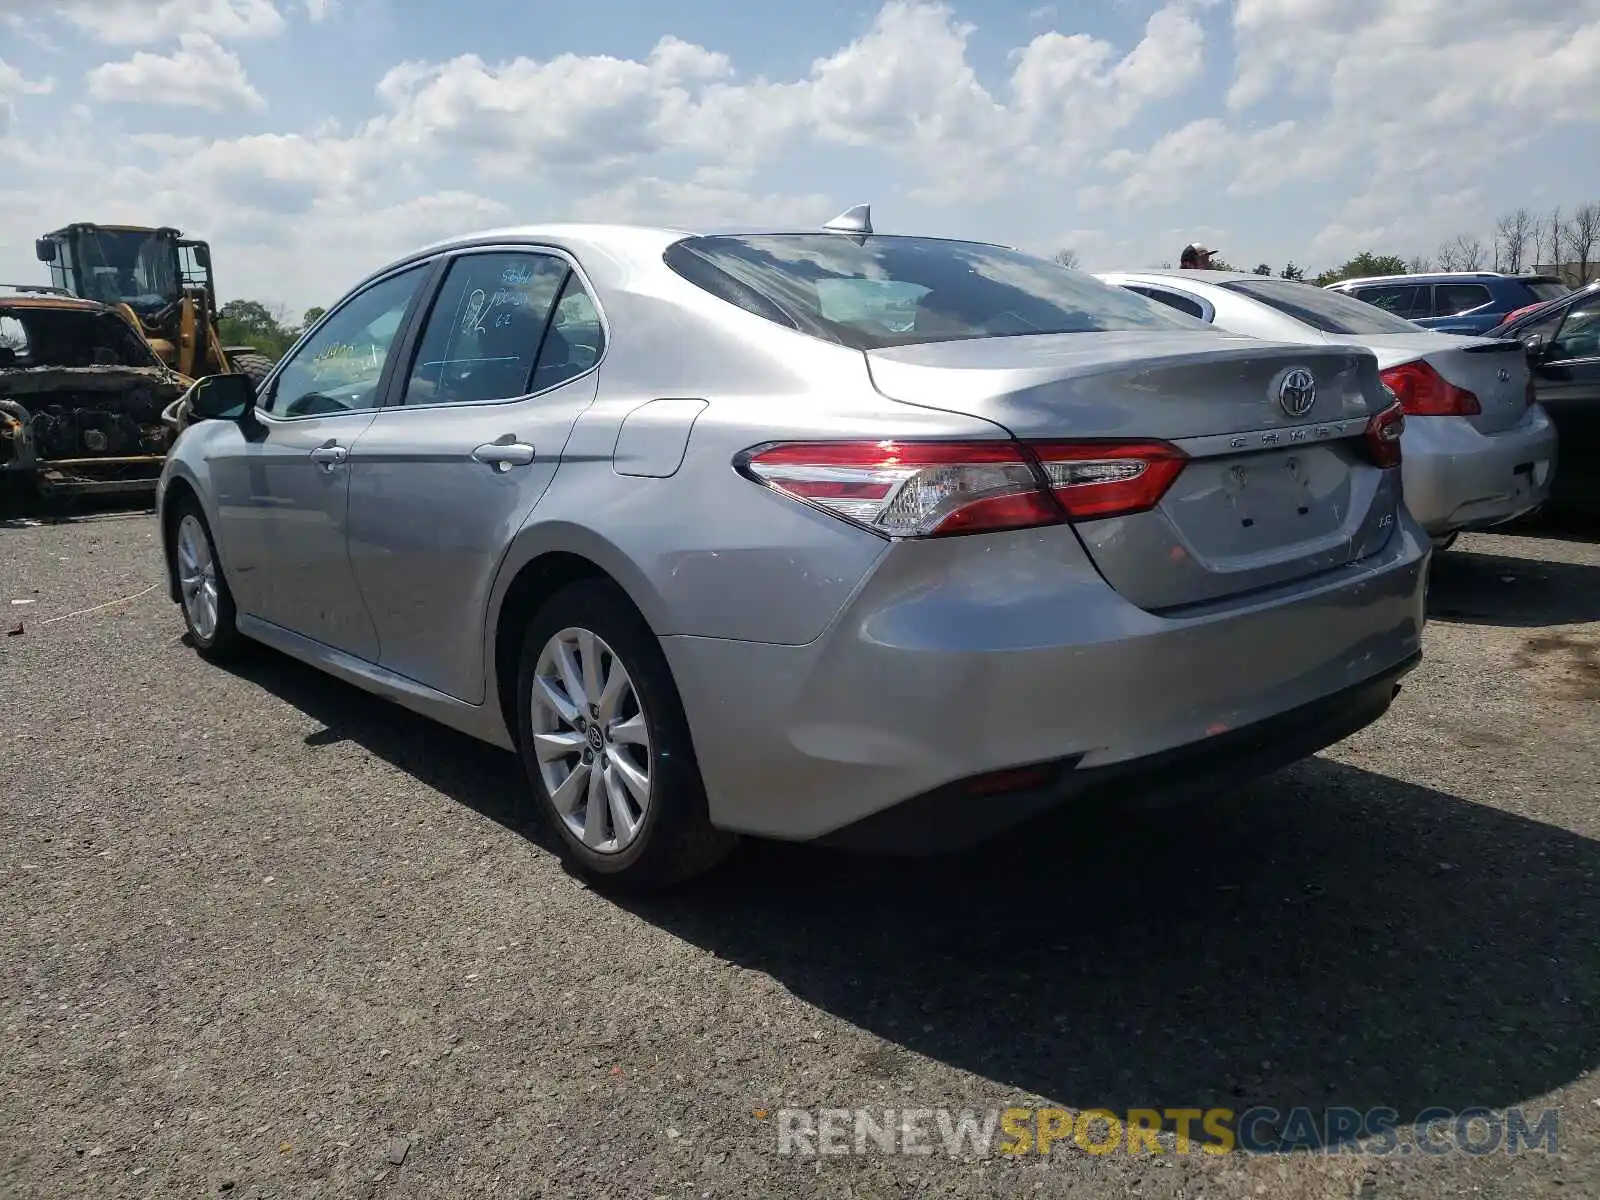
point(256, 366)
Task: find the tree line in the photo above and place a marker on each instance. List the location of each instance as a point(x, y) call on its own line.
point(1522, 239)
point(270, 329)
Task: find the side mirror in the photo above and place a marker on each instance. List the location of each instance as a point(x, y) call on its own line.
point(222, 398)
point(202, 255)
point(44, 250)
point(1536, 346)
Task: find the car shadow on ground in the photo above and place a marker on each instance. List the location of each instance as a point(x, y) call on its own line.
point(1515, 593)
point(1328, 937)
point(1574, 524)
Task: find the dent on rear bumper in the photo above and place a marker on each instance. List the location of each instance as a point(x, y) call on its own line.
point(950, 664)
point(1457, 478)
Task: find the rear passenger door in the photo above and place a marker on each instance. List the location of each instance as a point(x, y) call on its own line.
point(498, 373)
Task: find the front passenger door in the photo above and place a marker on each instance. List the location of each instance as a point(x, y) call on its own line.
point(282, 487)
point(1566, 379)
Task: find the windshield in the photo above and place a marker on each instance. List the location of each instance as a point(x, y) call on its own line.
point(133, 267)
point(868, 293)
point(1548, 289)
point(1329, 312)
point(69, 337)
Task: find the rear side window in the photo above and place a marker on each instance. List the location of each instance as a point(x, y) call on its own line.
point(1400, 299)
point(1324, 310)
point(1453, 299)
point(483, 335)
point(1172, 300)
point(1548, 289)
point(873, 292)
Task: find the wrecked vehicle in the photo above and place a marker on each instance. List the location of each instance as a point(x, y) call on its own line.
point(81, 397)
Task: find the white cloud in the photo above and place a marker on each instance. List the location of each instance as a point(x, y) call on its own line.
point(1393, 115)
point(200, 74)
point(711, 199)
point(1409, 100)
point(14, 83)
point(904, 87)
point(146, 22)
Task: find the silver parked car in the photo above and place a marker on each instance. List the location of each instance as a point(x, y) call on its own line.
point(1479, 451)
point(877, 540)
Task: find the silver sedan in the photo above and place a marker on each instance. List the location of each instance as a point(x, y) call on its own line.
point(1479, 450)
point(882, 541)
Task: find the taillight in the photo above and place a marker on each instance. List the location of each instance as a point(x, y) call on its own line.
point(1383, 436)
point(1092, 479)
point(938, 489)
point(1423, 392)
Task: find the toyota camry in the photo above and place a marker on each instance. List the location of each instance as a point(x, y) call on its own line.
point(822, 535)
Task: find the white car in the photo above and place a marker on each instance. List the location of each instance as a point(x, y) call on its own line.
point(1479, 451)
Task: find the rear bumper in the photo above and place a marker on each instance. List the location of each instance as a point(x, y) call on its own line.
point(959, 815)
point(954, 660)
point(1457, 478)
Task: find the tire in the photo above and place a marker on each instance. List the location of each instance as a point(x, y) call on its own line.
point(255, 366)
point(671, 837)
point(212, 623)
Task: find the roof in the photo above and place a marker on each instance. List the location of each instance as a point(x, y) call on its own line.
point(617, 241)
point(1193, 276)
point(1419, 276)
point(33, 296)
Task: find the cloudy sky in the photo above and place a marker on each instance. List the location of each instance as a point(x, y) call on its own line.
point(309, 140)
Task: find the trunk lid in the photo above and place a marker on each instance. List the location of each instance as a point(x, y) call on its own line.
point(1473, 363)
point(1266, 498)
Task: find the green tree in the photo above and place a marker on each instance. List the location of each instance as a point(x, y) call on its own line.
point(1263, 269)
point(1364, 264)
point(1290, 271)
point(313, 315)
point(252, 323)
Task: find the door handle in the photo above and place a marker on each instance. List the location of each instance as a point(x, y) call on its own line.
point(504, 454)
point(330, 456)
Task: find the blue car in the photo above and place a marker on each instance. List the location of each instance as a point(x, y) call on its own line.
point(1469, 302)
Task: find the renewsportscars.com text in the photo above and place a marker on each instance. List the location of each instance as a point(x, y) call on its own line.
point(968, 1133)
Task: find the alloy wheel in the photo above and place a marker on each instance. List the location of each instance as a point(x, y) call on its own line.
point(591, 740)
point(197, 576)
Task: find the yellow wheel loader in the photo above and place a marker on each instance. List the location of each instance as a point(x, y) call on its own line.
point(161, 281)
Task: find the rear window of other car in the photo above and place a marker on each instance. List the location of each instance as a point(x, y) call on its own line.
point(878, 291)
point(1548, 289)
point(1328, 311)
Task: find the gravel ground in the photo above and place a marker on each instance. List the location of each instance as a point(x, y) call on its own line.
point(264, 936)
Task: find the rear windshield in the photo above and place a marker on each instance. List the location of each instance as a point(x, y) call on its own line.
point(1548, 289)
point(1330, 312)
point(868, 293)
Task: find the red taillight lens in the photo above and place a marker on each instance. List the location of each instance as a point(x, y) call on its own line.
point(1092, 479)
point(938, 489)
point(1423, 392)
point(1383, 436)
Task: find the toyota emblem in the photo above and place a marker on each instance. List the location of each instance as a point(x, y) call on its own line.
point(1298, 392)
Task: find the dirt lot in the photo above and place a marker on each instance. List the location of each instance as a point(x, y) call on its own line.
point(261, 935)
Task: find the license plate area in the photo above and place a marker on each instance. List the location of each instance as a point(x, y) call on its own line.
point(1246, 504)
